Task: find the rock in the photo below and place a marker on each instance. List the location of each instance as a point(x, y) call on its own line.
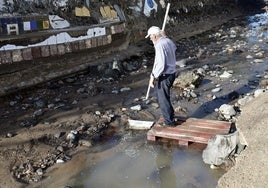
point(249, 57)
point(39, 171)
point(155, 105)
point(259, 54)
point(219, 148)
point(85, 143)
point(258, 76)
point(60, 161)
point(58, 134)
point(226, 75)
point(216, 90)
point(75, 102)
point(71, 136)
point(137, 107)
point(125, 89)
point(9, 135)
point(227, 111)
point(98, 113)
point(193, 94)
point(115, 92)
point(201, 71)
point(12, 103)
point(206, 67)
point(51, 106)
point(258, 61)
point(60, 148)
point(38, 113)
point(188, 79)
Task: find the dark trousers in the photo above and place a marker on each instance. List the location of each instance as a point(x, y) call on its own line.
point(162, 92)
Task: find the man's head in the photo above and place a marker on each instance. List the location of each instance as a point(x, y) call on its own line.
point(154, 32)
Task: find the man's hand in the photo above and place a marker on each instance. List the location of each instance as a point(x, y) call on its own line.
point(151, 82)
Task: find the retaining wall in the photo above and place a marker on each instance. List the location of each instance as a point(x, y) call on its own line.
point(35, 52)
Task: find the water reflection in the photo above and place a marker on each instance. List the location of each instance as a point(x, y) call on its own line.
point(137, 164)
point(165, 170)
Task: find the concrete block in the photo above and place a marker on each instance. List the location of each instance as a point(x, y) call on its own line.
point(113, 29)
point(53, 50)
point(61, 49)
point(88, 43)
point(94, 42)
point(68, 48)
point(109, 38)
point(75, 46)
point(122, 27)
point(6, 56)
point(45, 51)
point(105, 40)
point(82, 44)
point(118, 28)
point(27, 54)
point(36, 52)
point(100, 41)
point(17, 56)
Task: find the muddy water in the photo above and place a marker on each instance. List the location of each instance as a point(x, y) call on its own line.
point(133, 162)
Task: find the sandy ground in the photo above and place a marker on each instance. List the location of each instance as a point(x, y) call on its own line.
point(251, 169)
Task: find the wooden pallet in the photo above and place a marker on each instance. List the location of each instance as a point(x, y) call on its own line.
point(191, 130)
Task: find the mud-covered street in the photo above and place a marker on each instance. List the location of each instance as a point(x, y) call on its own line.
point(55, 132)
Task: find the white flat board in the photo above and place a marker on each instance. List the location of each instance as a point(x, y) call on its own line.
point(137, 124)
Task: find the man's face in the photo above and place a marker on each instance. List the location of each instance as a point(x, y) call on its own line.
point(153, 38)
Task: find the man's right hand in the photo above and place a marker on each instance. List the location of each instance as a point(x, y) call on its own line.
point(151, 82)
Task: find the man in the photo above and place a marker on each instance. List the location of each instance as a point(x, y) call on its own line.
point(163, 73)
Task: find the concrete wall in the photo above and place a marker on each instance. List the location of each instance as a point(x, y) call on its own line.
point(30, 53)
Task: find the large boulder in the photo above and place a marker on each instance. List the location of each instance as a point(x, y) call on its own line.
point(220, 147)
point(190, 79)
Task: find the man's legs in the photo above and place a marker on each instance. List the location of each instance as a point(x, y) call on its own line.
point(163, 96)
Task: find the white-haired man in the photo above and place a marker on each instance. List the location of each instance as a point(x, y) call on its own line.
point(163, 73)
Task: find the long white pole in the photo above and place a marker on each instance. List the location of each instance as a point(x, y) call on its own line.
point(163, 28)
point(165, 19)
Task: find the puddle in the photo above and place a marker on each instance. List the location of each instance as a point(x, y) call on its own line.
point(136, 163)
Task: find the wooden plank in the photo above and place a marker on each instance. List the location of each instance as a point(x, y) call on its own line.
point(211, 127)
point(209, 124)
point(201, 129)
point(177, 134)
